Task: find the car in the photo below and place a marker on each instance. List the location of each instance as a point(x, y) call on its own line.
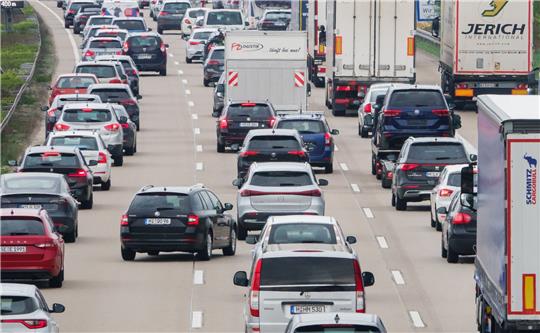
point(73, 83)
point(275, 19)
point(171, 15)
point(195, 44)
point(129, 67)
point(189, 20)
point(92, 31)
point(92, 148)
point(31, 248)
point(67, 161)
point(106, 72)
point(459, 228)
point(213, 65)
point(216, 39)
point(316, 136)
point(131, 24)
point(272, 189)
point(102, 46)
point(148, 51)
point(239, 118)
point(97, 117)
point(49, 191)
point(155, 7)
point(419, 165)
point(72, 9)
point(334, 321)
point(270, 145)
point(219, 96)
point(172, 218)
point(294, 279)
point(54, 111)
point(112, 32)
point(143, 3)
point(366, 111)
point(122, 8)
point(82, 15)
point(387, 170)
point(25, 310)
point(129, 130)
point(120, 94)
point(227, 19)
point(96, 20)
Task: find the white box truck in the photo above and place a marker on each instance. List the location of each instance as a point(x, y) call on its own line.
point(267, 65)
point(316, 28)
point(486, 48)
point(508, 227)
point(368, 41)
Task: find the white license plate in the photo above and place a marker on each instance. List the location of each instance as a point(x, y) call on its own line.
point(307, 308)
point(433, 174)
point(249, 124)
point(30, 206)
point(157, 221)
point(144, 56)
point(486, 85)
point(13, 249)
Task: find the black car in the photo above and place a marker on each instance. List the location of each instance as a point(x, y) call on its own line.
point(129, 68)
point(237, 119)
point(275, 20)
point(459, 228)
point(129, 129)
point(119, 94)
point(82, 15)
point(148, 51)
point(213, 65)
point(67, 161)
point(219, 96)
point(270, 145)
point(419, 165)
point(72, 9)
point(53, 112)
point(171, 15)
point(42, 190)
point(170, 219)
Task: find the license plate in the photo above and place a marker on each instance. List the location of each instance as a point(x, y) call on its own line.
point(486, 85)
point(432, 174)
point(307, 308)
point(30, 206)
point(417, 122)
point(144, 56)
point(13, 249)
point(158, 221)
point(249, 124)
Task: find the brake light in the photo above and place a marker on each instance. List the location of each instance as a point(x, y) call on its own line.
point(462, 86)
point(255, 288)
point(71, 11)
point(194, 42)
point(124, 220)
point(297, 153)
point(389, 175)
point(249, 153)
point(125, 47)
point(163, 13)
point(51, 112)
point(392, 113)
point(89, 53)
point(78, 173)
point(61, 127)
point(112, 127)
point(360, 301)
point(461, 218)
point(271, 121)
point(445, 192)
point(367, 108)
point(409, 166)
point(343, 88)
point(44, 245)
point(321, 69)
point(248, 104)
point(441, 112)
point(193, 220)
point(125, 125)
point(102, 158)
point(162, 47)
point(223, 123)
point(115, 80)
point(28, 323)
point(522, 86)
point(327, 139)
point(252, 193)
point(128, 101)
point(134, 72)
point(213, 62)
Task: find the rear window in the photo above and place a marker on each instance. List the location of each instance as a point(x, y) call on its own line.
point(76, 5)
point(437, 152)
point(86, 115)
point(274, 142)
point(21, 227)
point(74, 82)
point(196, 13)
point(203, 35)
point(30, 183)
point(149, 42)
point(249, 110)
point(121, 34)
point(130, 25)
point(274, 16)
point(306, 270)
point(303, 126)
point(99, 71)
point(417, 98)
point(111, 94)
point(65, 101)
point(82, 142)
point(337, 328)
point(224, 18)
point(454, 179)
point(176, 7)
point(51, 159)
point(17, 305)
point(281, 179)
point(105, 44)
point(99, 20)
point(218, 54)
point(150, 202)
point(302, 233)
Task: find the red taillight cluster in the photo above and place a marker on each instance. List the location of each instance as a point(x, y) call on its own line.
point(164, 13)
point(271, 121)
point(125, 47)
point(343, 88)
point(112, 127)
point(115, 80)
point(461, 218)
point(162, 47)
point(186, 21)
point(102, 158)
point(52, 112)
point(441, 112)
point(367, 108)
point(28, 323)
point(194, 42)
point(124, 220)
point(462, 86)
point(128, 101)
point(125, 125)
point(360, 301)
point(445, 192)
point(89, 53)
point(392, 113)
point(44, 245)
point(252, 193)
point(78, 173)
point(300, 153)
point(223, 123)
point(409, 166)
point(255, 288)
point(522, 86)
point(248, 153)
point(61, 127)
point(213, 62)
point(327, 139)
point(193, 220)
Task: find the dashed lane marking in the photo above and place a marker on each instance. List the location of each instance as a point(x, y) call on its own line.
point(188, 92)
point(199, 166)
point(368, 213)
point(199, 148)
point(176, 63)
point(383, 244)
point(355, 187)
point(198, 277)
point(190, 104)
point(197, 130)
point(180, 72)
point(416, 319)
point(398, 278)
point(194, 116)
point(196, 319)
point(344, 166)
point(184, 81)
point(336, 148)
point(171, 55)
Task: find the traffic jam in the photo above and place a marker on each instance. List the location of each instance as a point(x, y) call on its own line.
point(290, 84)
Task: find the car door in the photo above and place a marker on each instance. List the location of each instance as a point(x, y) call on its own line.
point(45, 308)
point(210, 214)
point(223, 221)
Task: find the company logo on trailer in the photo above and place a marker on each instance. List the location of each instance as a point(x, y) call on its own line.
point(496, 7)
point(530, 179)
point(509, 30)
point(246, 46)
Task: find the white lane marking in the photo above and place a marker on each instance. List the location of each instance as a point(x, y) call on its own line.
point(355, 187)
point(74, 47)
point(184, 81)
point(176, 63)
point(398, 278)
point(180, 72)
point(194, 116)
point(190, 104)
point(368, 213)
point(196, 319)
point(416, 319)
point(197, 130)
point(198, 277)
point(171, 55)
point(188, 92)
point(471, 149)
point(344, 166)
point(199, 166)
point(336, 148)
point(199, 148)
point(383, 244)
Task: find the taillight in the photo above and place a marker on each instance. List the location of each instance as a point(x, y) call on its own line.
point(522, 86)
point(163, 13)
point(252, 193)
point(71, 11)
point(255, 288)
point(102, 158)
point(128, 101)
point(392, 113)
point(28, 323)
point(213, 62)
point(343, 88)
point(248, 104)
point(124, 220)
point(61, 127)
point(78, 173)
point(125, 47)
point(462, 86)
point(162, 47)
point(271, 121)
point(52, 112)
point(297, 153)
point(186, 21)
point(89, 53)
point(327, 139)
point(389, 174)
point(194, 42)
point(249, 153)
point(112, 127)
point(360, 301)
point(134, 72)
point(223, 123)
point(367, 108)
point(115, 80)
point(461, 218)
point(125, 125)
point(409, 166)
point(445, 192)
point(193, 220)
point(44, 245)
point(441, 112)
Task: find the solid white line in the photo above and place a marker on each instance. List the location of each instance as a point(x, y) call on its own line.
point(198, 277)
point(355, 187)
point(199, 148)
point(368, 213)
point(190, 104)
point(196, 319)
point(416, 319)
point(194, 116)
point(398, 278)
point(180, 72)
point(176, 63)
point(382, 242)
point(199, 166)
point(197, 130)
point(336, 148)
point(184, 81)
point(188, 92)
point(344, 166)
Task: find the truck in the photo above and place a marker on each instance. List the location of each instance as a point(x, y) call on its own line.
point(367, 42)
point(316, 27)
point(507, 265)
point(299, 15)
point(267, 65)
point(254, 9)
point(486, 48)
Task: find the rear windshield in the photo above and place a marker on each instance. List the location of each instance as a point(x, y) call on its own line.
point(99, 20)
point(104, 71)
point(306, 270)
point(196, 13)
point(249, 110)
point(130, 24)
point(111, 94)
point(17, 305)
point(86, 115)
point(51, 159)
point(30, 183)
point(337, 328)
point(82, 142)
point(76, 5)
point(224, 18)
point(435, 152)
point(218, 54)
point(281, 178)
point(61, 102)
point(417, 98)
point(274, 142)
point(204, 35)
point(150, 202)
point(150, 42)
point(76, 82)
point(274, 16)
point(176, 7)
point(21, 227)
point(302, 233)
point(303, 126)
point(105, 44)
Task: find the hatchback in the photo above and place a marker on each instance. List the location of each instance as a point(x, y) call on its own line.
point(171, 15)
point(72, 9)
point(82, 16)
point(98, 46)
point(195, 44)
point(227, 19)
point(106, 72)
point(129, 68)
point(459, 228)
point(275, 20)
point(120, 94)
point(219, 96)
point(148, 51)
point(53, 112)
point(189, 20)
point(335, 322)
point(213, 65)
point(131, 24)
point(93, 30)
point(74, 83)
point(367, 114)
point(96, 20)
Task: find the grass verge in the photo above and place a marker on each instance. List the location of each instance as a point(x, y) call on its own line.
point(427, 46)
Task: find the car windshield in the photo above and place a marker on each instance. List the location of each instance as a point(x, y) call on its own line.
point(130, 25)
point(176, 7)
point(104, 71)
point(417, 98)
point(146, 203)
point(86, 115)
point(82, 142)
point(32, 183)
point(274, 16)
point(281, 179)
point(302, 233)
point(249, 110)
point(303, 126)
point(337, 328)
point(16, 226)
point(202, 35)
point(17, 305)
point(51, 159)
point(274, 142)
point(98, 20)
point(196, 13)
point(105, 44)
point(149, 42)
point(111, 94)
point(75, 82)
point(441, 152)
point(218, 54)
point(224, 18)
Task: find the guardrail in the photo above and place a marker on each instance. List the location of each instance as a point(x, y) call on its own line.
point(427, 36)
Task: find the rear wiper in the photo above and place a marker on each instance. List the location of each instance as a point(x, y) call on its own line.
point(165, 208)
point(420, 105)
point(287, 184)
point(443, 158)
point(278, 147)
point(46, 164)
point(312, 242)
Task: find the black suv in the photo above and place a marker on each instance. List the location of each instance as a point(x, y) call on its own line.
point(270, 145)
point(82, 15)
point(419, 165)
point(459, 228)
point(169, 219)
point(237, 119)
point(148, 51)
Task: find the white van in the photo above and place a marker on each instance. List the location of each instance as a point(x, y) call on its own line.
point(226, 19)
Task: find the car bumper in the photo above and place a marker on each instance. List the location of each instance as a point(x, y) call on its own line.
point(115, 149)
point(191, 243)
point(463, 243)
point(80, 193)
point(101, 173)
point(191, 53)
point(152, 66)
point(169, 24)
point(321, 159)
point(27, 274)
point(64, 220)
point(415, 195)
point(253, 220)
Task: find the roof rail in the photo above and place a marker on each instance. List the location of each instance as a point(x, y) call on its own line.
point(146, 187)
point(198, 185)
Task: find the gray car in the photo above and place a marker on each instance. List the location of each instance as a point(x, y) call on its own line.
point(219, 95)
point(277, 188)
point(171, 15)
point(214, 65)
point(334, 321)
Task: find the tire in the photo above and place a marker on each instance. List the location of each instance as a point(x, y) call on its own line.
point(385, 183)
point(393, 200)
point(363, 132)
point(88, 204)
point(160, 31)
point(242, 233)
point(107, 185)
point(66, 25)
point(153, 253)
point(231, 249)
point(76, 31)
point(452, 257)
point(71, 237)
point(163, 71)
point(130, 151)
point(151, 13)
point(444, 253)
point(59, 5)
point(128, 254)
point(401, 204)
point(373, 167)
point(220, 147)
point(118, 160)
point(378, 176)
point(188, 60)
point(433, 222)
point(438, 226)
point(206, 254)
point(329, 168)
point(337, 113)
point(56, 281)
point(206, 83)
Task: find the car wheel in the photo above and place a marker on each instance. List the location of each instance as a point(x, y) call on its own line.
point(373, 167)
point(363, 132)
point(153, 253)
point(56, 281)
point(220, 147)
point(393, 200)
point(138, 126)
point(378, 175)
point(242, 232)
point(231, 249)
point(206, 253)
point(128, 254)
point(451, 255)
point(160, 31)
point(87, 204)
point(118, 160)
point(188, 60)
point(336, 113)
point(76, 31)
point(329, 168)
point(66, 25)
point(129, 151)
point(151, 13)
point(385, 183)
point(59, 5)
point(70, 237)
point(433, 221)
point(401, 204)
point(107, 185)
point(438, 226)
point(206, 83)
point(163, 71)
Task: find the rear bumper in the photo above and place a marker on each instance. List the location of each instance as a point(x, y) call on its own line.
point(169, 24)
point(81, 193)
point(154, 66)
point(414, 195)
point(230, 139)
point(256, 220)
point(26, 274)
point(322, 159)
point(183, 244)
point(65, 220)
point(115, 150)
point(463, 242)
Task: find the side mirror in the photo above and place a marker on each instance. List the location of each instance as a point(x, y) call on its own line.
point(351, 239)
point(123, 119)
point(240, 279)
point(467, 200)
point(456, 121)
point(334, 132)
point(238, 182)
point(57, 308)
point(442, 211)
point(215, 114)
point(92, 163)
point(227, 206)
point(473, 157)
point(368, 279)
point(323, 182)
point(252, 239)
point(139, 96)
point(246, 24)
point(12, 163)
point(44, 108)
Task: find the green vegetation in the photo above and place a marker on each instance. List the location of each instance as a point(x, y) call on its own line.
point(427, 46)
point(536, 33)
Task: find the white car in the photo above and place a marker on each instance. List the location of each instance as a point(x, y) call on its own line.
point(226, 19)
point(189, 20)
point(366, 111)
point(448, 184)
point(92, 148)
point(335, 322)
point(195, 44)
point(24, 310)
point(96, 20)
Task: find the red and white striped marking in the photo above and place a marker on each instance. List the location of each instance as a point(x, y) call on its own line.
point(233, 79)
point(299, 79)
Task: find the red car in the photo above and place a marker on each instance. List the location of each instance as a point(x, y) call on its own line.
point(72, 83)
point(30, 246)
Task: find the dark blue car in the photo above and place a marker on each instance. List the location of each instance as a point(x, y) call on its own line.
point(316, 134)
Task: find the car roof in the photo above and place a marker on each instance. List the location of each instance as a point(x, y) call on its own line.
point(32, 175)
point(198, 8)
point(330, 318)
point(416, 87)
point(94, 134)
point(43, 149)
point(308, 250)
point(273, 131)
point(144, 33)
point(87, 105)
point(76, 75)
point(113, 57)
point(68, 97)
point(170, 189)
point(429, 139)
point(105, 26)
point(313, 219)
point(301, 116)
point(511, 108)
point(102, 16)
point(94, 63)
point(18, 289)
point(386, 85)
point(455, 167)
point(33, 212)
point(248, 101)
point(280, 166)
point(205, 30)
point(108, 85)
point(94, 38)
point(126, 18)
point(277, 10)
point(177, 1)
point(224, 10)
